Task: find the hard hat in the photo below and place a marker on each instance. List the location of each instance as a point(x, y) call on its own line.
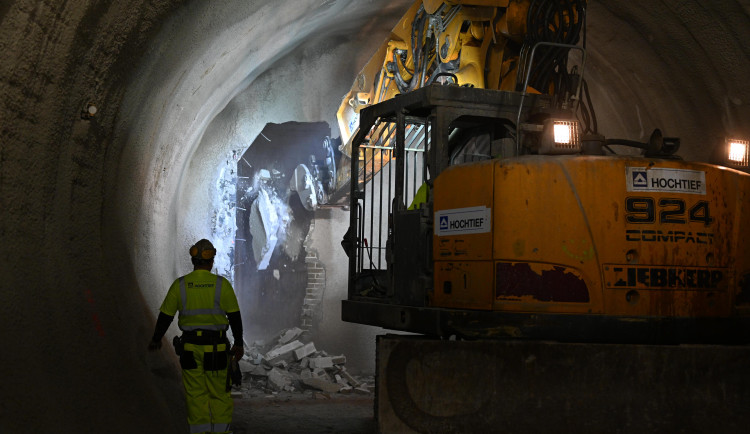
point(203, 249)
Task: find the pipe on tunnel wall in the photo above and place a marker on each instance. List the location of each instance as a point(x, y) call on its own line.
point(97, 213)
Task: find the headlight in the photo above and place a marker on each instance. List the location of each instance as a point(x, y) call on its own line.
point(562, 133)
point(737, 152)
point(560, 137)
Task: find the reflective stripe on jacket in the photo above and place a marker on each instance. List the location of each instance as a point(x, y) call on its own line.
point(204, 317)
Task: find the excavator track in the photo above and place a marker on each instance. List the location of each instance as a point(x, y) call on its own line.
point(515, 386)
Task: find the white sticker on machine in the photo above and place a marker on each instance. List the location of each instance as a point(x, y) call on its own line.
point(657, 179)
point(462, 221)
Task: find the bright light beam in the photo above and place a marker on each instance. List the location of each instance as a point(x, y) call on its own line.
point(563, 132)
point(737, 151)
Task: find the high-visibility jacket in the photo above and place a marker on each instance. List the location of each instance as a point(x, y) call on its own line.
point(203, 299)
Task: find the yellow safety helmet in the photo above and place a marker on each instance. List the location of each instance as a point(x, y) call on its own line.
point(203, 249)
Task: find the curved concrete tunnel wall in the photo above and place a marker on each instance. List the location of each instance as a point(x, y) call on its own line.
point(97, 214)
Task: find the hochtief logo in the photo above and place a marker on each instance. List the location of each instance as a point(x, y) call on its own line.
point(640, 178)
point(463, 221)
point(444, 222)
point(666, 180)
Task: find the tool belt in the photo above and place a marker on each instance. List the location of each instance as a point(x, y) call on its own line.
point(204, 337)
point(200, 337)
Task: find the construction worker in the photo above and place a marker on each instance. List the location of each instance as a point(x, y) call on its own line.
point(208, 306)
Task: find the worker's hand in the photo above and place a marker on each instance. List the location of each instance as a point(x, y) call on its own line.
point(154, 345)
point(237, 351)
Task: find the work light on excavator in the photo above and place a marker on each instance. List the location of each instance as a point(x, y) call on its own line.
point(737, 152)
point(561, 136)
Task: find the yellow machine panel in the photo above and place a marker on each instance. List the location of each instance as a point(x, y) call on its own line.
point(463, 238)
point(463, 284)
point(467, 236)
point(617, 236)
point(545, 252)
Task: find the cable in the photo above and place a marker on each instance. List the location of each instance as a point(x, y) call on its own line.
point(551, 21)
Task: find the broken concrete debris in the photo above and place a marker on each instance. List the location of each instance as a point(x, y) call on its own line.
point(349, 379)
point(321, 384)
point(304, 351)
point(288, 335)
point(321, 362)
point(278, 379)
point(291, 363)
point(282, 351)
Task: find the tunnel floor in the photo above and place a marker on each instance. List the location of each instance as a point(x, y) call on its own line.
point(296, 413)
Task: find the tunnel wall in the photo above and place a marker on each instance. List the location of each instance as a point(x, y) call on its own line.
point(73, 322)
point(97, 214)
point(675, 65)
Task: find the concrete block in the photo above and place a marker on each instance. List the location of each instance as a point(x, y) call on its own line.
point(339, 360)
point(277, 380)
point(245, 366)
point(283, 350)
point(361, 390)
point(321, 362)
point(319, 373)
point(349, 378)
point(289, 335)
point(259, 371)
point(304, 351)
point(304, 363)
point(320, 384)
point(306, 373)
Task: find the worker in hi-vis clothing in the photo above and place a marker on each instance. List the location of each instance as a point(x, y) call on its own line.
point(207, 305)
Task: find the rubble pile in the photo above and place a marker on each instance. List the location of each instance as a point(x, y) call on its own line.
point(291, 363)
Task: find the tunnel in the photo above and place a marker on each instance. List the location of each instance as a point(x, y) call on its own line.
point(118, 118)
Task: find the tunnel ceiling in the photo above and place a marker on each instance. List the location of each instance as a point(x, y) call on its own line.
point(97, 212)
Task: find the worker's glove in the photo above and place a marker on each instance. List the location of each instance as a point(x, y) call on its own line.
point(154, 345)
point(237, 352)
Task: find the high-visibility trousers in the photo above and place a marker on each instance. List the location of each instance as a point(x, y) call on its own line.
point(204, 375)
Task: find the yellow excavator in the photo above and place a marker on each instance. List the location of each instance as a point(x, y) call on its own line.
point(558, 277)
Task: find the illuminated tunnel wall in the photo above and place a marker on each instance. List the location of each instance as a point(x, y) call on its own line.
point(97, 214)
